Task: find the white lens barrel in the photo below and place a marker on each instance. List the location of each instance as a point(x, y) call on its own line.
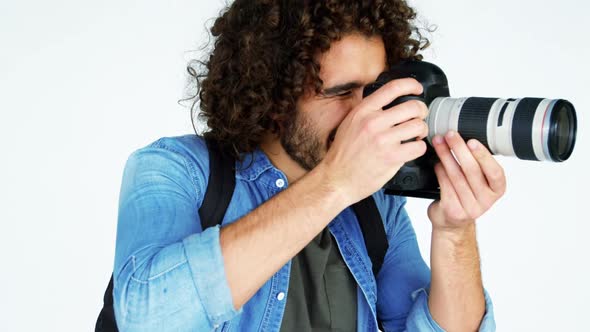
point(509, 127)
point(443, 116)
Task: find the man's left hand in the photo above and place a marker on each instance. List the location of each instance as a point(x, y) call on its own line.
point(470, 182)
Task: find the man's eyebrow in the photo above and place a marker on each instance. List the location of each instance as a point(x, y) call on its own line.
point(340, 88)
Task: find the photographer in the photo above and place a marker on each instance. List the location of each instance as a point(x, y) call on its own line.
point(283, 95)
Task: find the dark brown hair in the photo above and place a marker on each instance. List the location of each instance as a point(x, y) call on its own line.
point(264, 58)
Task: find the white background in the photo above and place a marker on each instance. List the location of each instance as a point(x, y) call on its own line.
point(84, 84)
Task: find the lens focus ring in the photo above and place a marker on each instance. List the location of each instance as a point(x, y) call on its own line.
point(473, 119)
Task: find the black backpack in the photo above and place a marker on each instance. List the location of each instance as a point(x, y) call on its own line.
point(222, 181)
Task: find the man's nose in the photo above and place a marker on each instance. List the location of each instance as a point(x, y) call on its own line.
point(357, 97)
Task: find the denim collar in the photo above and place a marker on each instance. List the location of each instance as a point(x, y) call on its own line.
point(253, 165)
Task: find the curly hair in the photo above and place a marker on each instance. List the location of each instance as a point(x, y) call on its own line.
point(264, 58)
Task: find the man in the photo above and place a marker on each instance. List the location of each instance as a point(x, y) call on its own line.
point(283, 92)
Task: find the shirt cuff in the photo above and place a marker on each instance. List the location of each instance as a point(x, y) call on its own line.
point(203, 252)
point(420, 319)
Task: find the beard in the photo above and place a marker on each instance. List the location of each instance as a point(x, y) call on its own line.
point(301, 141)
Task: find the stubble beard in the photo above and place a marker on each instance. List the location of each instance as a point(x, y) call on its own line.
point(302, 143)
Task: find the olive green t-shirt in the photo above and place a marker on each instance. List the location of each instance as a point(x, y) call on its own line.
point(322, 291)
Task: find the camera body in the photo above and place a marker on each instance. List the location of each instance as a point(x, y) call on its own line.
point(415, 178)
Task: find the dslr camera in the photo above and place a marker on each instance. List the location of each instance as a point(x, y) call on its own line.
point(537, 129)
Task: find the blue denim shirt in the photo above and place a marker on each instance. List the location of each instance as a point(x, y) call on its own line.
point(169, 273)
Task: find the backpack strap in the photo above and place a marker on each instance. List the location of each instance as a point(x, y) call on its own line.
point(220, 189)
point(373, 231)
point(374, 235)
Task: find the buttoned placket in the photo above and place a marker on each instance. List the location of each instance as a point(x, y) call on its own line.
point(280, 184)
point(353, 263)
point(280, 281)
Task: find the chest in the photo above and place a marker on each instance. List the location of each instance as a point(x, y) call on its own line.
point(266, 309)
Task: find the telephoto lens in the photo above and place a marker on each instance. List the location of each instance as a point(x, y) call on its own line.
point(527, 128)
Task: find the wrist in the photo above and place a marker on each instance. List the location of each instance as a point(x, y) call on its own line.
point(455, 235)
point(329, 184)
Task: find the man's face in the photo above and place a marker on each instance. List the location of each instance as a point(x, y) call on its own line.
point(349, 65)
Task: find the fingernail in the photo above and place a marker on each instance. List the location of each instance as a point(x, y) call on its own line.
point(437, 140)
point(450, 134)
point(473, 144)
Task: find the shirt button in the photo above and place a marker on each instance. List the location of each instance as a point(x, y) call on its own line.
point(280, 183)
point(281, 296)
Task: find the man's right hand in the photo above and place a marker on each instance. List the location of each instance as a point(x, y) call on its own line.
point(368, 150)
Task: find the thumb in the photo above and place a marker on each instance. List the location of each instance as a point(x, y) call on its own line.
point(434, 211)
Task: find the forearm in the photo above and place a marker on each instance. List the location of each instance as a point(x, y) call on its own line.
point(456, 299)
point(258, 245)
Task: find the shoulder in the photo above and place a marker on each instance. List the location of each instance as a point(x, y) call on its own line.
point(391, 208)
point(191, 147)
point(183, 160)
point(388, 204)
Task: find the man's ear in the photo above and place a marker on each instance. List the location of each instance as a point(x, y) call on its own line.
point(278, 124)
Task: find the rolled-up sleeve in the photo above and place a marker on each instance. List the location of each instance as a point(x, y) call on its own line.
point(404, 280)
point(419, 318)
point(206, 262)
point(169, 274)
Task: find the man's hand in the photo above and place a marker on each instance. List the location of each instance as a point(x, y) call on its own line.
point(368, 149)
point(470, 182)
